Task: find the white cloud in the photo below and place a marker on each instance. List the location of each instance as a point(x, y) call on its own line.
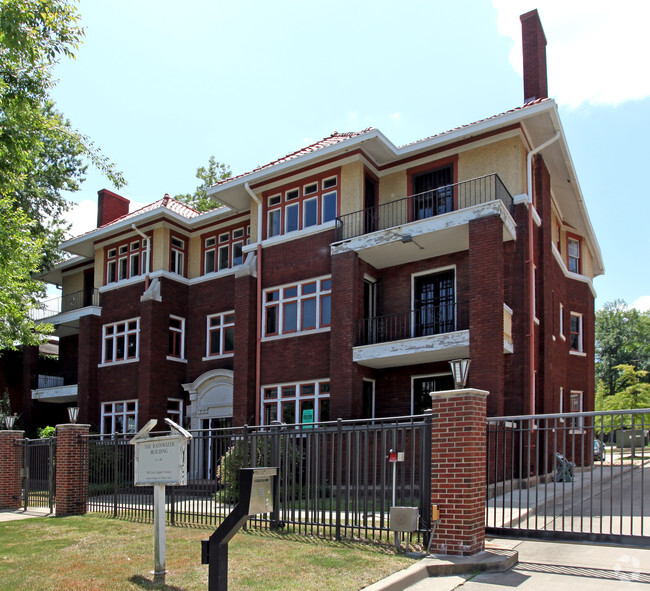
point(597, 50)
point(642, 304)
point(396, 116)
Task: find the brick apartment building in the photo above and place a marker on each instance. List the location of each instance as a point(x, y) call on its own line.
point(340, 280)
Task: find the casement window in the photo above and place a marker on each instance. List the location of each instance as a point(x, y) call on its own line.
point(302, 206)
point(126, 260)
point(176, 349)
point(575, 333)
point(303, 402)
point(177, 255)
point(119, 417)
point(298, 307)
point(224, 249)
point(573, 254)
point(175, 410)
point(220, 338)
point(120, 341)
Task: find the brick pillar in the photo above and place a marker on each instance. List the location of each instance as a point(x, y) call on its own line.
point(71, 469)
point(486, 277)
point(244, 363)
point(11, 462)
point(458, 470)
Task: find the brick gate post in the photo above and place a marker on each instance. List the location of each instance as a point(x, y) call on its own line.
point(458, 470)
point(11, 462)
point(71, 469)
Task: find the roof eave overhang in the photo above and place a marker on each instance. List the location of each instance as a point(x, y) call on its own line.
point(375, 144)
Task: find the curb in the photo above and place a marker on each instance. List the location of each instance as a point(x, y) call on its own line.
point(494, 560)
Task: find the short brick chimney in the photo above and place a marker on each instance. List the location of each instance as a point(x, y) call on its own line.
point(534, 50)
point(110, 206)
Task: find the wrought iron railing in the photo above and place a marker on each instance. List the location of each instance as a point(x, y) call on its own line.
point(335, 478)
point(571, 476)
point(425, 321)
point(66, 303)
point(423, 205)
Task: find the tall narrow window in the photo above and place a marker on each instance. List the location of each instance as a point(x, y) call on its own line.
point(177, 256)
point(574, 255)
point(176, 337)
point(575, 333)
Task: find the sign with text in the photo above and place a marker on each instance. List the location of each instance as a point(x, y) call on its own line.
point(161, 460)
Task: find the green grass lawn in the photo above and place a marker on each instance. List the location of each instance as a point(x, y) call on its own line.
point(94, 553)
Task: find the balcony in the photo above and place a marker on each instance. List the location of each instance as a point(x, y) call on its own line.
point(64, 312)
point(425, 335)
point(427, 224)
point(51, 389)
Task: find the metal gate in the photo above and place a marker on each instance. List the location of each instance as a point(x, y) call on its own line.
point(571, 476)
point(38, 473)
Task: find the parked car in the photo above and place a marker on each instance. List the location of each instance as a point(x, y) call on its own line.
point(599, 451)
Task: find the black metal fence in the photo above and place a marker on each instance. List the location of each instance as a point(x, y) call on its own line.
point(38, 472)
point(423, 205)
point(425, 321)
point(583, 476)
point(335, 478)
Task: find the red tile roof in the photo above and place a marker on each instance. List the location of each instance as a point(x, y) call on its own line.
point(167, 202)
point(330, 140)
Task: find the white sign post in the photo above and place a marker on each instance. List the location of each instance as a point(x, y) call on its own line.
point(160, 461)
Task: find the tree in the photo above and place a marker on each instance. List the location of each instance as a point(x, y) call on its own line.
point(622, 338)
point(213, 174)
point(631, 393)
point(41, 155)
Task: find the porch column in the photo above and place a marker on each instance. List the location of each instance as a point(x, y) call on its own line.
point(71, 469)
point(458, 470)
point(11, 463)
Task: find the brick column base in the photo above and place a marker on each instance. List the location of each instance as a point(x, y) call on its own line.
point(71, 469)
point(11, 462)
point(458, 470)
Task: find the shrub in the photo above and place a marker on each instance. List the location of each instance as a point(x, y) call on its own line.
point(46, 432)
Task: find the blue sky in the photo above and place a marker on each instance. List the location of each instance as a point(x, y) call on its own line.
point(161, 86)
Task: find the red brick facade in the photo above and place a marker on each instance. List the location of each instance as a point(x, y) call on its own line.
point(11, 454)
point(71, 470)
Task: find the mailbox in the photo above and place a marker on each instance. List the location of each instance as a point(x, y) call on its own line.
point(257, 492)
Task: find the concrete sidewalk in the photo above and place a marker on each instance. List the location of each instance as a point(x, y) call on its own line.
point(542, 565)
point(15, 514)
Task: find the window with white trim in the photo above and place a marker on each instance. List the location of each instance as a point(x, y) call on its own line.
point(121, 341)
point(298, 307)
point(177, 255)
point(125, 260)
point(220, 339)
point(575, 405)
point(224, 249)
point(303, 402)
point(573, 254)
point(176, 348)
point(562, 322)
point(119, 417)
point(302, 205)
point(575, 333)
point(175, 410)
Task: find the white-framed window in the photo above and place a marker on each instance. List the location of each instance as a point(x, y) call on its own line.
point(177, 256)
point(575, 333)
point(176, 349)
point(575, 405)
point(175, 410)
point(298, 307)
point(573, 254)
point(119, 417)
point(295, 208)
point(126, 260)
point(224, 248)
point(562, 322)
point(302, 402)
point(121, 341)
point(220, 339)
point(421, 386)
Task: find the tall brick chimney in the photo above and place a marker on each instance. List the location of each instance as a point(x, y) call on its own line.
point(534, 50)
point(110, 206)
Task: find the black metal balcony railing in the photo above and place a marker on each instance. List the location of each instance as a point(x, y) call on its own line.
point(423, 205)
point(66, 303)
point(426, 321)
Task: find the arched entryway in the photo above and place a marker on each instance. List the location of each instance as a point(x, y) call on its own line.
point(210, 407)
